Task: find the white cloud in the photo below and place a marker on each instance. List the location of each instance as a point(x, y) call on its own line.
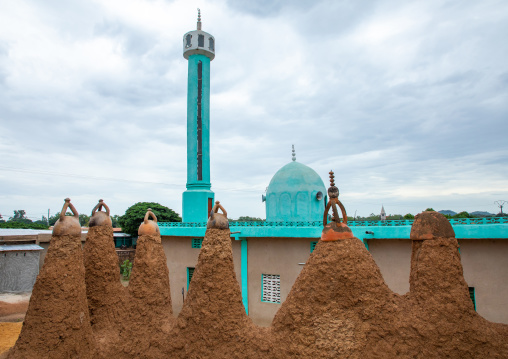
point(406, 101)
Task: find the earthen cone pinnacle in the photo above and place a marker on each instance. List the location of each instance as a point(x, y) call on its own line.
point(57, 322)
point(214, 300)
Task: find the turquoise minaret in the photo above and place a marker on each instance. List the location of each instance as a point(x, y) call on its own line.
point(199, 50)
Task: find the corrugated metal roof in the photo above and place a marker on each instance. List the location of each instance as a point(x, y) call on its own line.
point(20, 247)
point(121, 235)
point(22, 232)
point(27, 232)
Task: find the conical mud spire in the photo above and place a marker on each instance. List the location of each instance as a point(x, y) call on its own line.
point(213, 322)
point(339, 304)
point(57, 324)
point(444, 313)
point(151, 312)
point(107, 300)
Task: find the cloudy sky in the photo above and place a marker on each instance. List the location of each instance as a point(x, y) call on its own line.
point(407, 101)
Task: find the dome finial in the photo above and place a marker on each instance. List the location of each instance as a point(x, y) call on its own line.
point(333, 192)
point(199, 19)
point(332, 178)
point(293, 154)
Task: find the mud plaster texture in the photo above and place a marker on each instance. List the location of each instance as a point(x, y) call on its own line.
point(339, 306)
point(151, 313)
point(57, 324)
point(108, 300)
point(445, 320)
point(213, 322)
point(131, 322)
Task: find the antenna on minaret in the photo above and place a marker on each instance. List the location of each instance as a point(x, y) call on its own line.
point(199, 19)
point(294, 154)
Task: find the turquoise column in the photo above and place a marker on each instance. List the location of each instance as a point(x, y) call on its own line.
point(245, 283)
point(244, 269)
point(198, 199)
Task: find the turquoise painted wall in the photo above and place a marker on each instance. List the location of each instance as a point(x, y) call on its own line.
point(483, 228)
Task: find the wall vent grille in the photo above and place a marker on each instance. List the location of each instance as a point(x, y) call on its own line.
point(270, 288)
point(197, 242)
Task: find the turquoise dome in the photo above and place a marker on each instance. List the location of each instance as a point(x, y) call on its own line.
point(295, 193)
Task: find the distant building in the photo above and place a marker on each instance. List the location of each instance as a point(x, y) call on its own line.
point(383, 214)
point(19, 267)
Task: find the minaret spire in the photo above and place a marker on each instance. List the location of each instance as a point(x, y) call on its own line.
point(294, 154)
point(199, 50)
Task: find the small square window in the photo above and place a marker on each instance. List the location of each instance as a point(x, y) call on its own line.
point(197, 242)
point(312, 246)
point(270, 288)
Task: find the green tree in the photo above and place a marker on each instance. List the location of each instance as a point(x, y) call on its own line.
point(429, 209)
point(394, 217)
point(1, 219)
point(115, 221)
point(463, 214)
point(83, 220)
point(409, 216)
point(247, 219)
point(23, 225)
point(135, 214)
point(43, 221)
point(20, 217)
point(52, 220)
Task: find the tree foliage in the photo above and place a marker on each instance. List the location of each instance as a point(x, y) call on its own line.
point(247, 219)
point(20, 217)
point(135, 214)
point(83, 219)
point(463, 214)
point(22, 225)
point(115, 221)
point(43, 221)
point(394, 217)
point(409, 216)
point(20, 220)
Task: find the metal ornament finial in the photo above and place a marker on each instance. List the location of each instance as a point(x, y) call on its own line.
point(336, 229)
point(333, 194)
point(332, 178)
point(294, 154)
point(199, 19)
point(333, 191)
